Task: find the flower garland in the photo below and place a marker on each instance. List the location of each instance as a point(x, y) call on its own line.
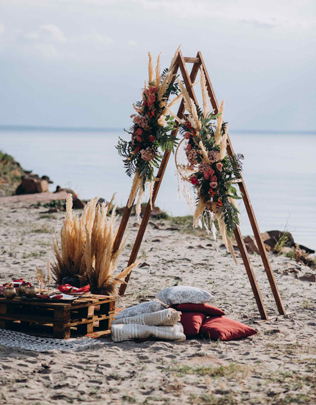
point(151, 132)
point(211, 171)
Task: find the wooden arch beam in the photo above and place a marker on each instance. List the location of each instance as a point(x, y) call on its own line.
point(189, 79)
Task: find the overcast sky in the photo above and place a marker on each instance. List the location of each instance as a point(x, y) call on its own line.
point(83, 62)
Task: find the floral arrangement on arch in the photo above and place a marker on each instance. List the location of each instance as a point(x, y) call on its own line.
point(208, 169)
point(151, 132)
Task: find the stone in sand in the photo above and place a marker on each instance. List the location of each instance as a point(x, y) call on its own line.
point(32, 185)
point(308, 277)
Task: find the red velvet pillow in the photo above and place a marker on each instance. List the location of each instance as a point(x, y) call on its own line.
point(192, 322)
point(204, 308)
point(225, 329)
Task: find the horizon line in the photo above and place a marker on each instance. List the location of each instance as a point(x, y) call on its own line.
point(116, 129)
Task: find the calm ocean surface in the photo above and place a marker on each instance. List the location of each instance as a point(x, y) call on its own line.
point(279, 171)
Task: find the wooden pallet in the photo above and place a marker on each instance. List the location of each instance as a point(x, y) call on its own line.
point(58, 319)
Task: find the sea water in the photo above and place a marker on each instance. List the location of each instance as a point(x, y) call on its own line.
point(279, 172)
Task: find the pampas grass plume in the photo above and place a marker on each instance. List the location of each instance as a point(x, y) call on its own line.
point(150, 70)
point(223, 144)
point(219, 123)
point(206, 102)
point(198, 212)
point(86, 248)
point(158, 74)
point(134, 190)
point(204, 152)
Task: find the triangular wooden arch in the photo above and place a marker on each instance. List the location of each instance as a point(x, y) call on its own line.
point(188, 80)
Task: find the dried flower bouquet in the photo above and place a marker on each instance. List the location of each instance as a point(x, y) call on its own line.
point(86, 248)
point(151, 132)
point(209, 170)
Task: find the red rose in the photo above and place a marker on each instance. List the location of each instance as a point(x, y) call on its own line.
point(213, 178)
point(151, 138)
point(187, 135)
point(189, 147)
point(139, 131)
point(194, 180)
point(138, 138)
point(137, 149)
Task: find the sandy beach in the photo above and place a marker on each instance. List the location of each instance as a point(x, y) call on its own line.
point(276, 366)
point(205, 111)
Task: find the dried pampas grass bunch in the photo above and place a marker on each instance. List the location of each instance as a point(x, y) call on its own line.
point(85, 250)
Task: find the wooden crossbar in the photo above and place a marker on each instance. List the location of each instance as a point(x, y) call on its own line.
point(189, 80)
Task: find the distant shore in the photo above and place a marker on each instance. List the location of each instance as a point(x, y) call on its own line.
point(116, 129)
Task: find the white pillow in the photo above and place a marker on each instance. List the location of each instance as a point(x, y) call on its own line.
point(166, 317)
point(143, 308)
point(184, 294)
point(122, 332)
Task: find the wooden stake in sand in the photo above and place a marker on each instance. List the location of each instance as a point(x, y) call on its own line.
point(188, 80)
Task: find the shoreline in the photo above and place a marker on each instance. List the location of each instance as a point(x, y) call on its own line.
point(185, 221)
point(88, 172)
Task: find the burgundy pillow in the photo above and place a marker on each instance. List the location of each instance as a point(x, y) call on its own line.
point(204, 308)
point(225, 329)
point(192, 322)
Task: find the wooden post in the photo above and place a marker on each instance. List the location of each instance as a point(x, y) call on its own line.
point(250, 273)
point(62, 323)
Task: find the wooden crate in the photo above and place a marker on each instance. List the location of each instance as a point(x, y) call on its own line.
point(58, 319)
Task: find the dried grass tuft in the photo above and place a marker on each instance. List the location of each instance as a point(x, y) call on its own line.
point(85, 250)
